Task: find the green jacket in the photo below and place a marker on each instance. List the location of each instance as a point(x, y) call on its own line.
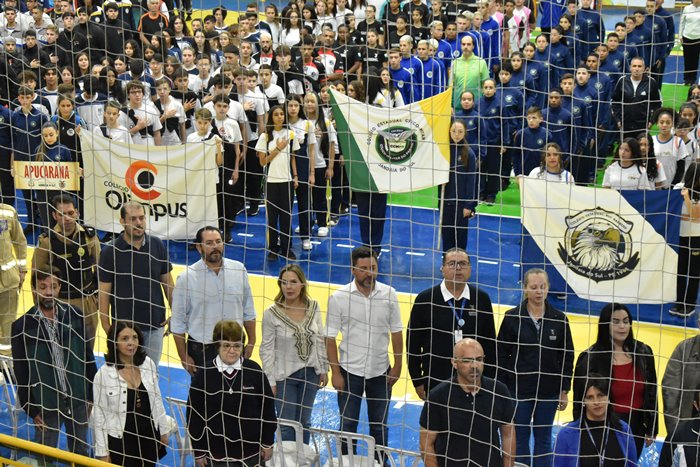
point(38, 388)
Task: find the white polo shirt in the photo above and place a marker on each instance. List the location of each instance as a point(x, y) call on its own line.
point(366, 324)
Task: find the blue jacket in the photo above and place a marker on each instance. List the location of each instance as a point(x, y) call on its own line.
point(550, 11)
point(57, 153)
point(558, 122)
point(537, 86)
point(529, 146)
point(590, 30)
point(641, 37)
point(414, 67)
point(512, 112)
point(580, 115)
point(659, 37)
point(461, 187)
point(490, 111)
point(561, 62)
point(475, 130)
point(566, 446)
point(26, 133)
point(403, 80)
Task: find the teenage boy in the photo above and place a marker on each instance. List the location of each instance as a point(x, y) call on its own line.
point(172, 115)
point(529, 143)
point(90, 103)
point(141, 117)
point(188, 98)
point(230, 186)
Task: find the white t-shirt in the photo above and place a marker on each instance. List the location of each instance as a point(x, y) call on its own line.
point(259, 101)
point(278, 169)
point(275, 93)
point(172, 138)
point(229, 130)
point(630, 178)
point(320, 160)
point(148, 111)
point(563, 177)
point(668, 154)
point(119, 134)
point(235, 111)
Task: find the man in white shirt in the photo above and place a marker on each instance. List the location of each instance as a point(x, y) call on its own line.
point(212, 289)
point(367, 313)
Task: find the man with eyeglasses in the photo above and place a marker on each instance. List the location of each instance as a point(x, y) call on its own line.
point(74, 250)
point(444, 315)
point(462, 419)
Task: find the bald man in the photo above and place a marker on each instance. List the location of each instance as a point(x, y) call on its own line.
point(460, 422)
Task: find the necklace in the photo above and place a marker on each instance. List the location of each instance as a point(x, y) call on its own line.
point(232, 379)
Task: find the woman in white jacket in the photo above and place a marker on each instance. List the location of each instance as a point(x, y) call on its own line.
point(131, 427)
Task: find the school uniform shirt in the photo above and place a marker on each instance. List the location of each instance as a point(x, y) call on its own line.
point(669, 153)
point(320, 158)
point(304, 132)
point(543, 174)
point(278, 169)
point(148, 111)
point(119, 134)
point(228, 129)
point(235, 111)
point(630, 178)
point(388, 99)
point(91, 110)
point(274, 95)
point(171, 136)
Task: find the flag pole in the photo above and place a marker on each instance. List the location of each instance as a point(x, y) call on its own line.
point(442, 204)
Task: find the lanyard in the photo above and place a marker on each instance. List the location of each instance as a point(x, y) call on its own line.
point(458, 317)
point(604, 444)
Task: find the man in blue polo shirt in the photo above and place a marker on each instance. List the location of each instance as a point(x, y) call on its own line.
point(134, 273)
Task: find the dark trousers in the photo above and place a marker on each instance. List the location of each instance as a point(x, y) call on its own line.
point(691, 58)
point(371, 207)
point(252, 176)
point(319, 198)
point(657, 72)
point(303, 192)
point(279, 216)
point(688, 277)
point(454, 227)
point(32, 213)
point(7, 181)
point(226, 198)
point(582, 166)
point(71, 414)
point(378, 393)
point(200, 353)
point(635, 421)
point(340, 188)
point(491, 169)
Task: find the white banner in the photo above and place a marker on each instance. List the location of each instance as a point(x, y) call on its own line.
point(600, 244)
point(176, 184)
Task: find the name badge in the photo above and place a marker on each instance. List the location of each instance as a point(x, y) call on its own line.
point(552, 338)
point(458, 335)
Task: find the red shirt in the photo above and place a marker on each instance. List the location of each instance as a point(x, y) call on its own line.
point(627, 389)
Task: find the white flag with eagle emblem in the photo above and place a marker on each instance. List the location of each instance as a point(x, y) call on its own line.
point(603, 247)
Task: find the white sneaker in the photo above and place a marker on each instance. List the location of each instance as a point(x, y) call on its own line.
point(296, 231)
point(306, 244)
point(322, 232)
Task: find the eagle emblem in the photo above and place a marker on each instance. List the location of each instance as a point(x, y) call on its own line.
point(396, 144)
point(598, 245)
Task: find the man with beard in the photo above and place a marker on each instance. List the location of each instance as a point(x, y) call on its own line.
point(442, 316)
point(460, 423)
point(367, 313)
point(134, 272)
point(54, 365)
point(212, 289)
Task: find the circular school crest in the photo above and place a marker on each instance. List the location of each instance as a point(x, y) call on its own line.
point(70, 132)
point(396, 144)
point(598, 245)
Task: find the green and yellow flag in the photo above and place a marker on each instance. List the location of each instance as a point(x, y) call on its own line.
point(394, 150)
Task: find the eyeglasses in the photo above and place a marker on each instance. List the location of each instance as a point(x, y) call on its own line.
point(470, 360)
point(227, 346)
point(456, 264)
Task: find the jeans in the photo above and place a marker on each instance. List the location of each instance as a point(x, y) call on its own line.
point(534, 417)
point(73, 415)
point(153, 343)
point(378, 394)
point(295, 400)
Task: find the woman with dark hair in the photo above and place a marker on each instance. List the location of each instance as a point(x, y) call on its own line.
point(627, 171)
point(688, 277)
point(655, 171)
point(629, 366)
point(458, 196)
point(597, 437)
point(110, 86)
point(290, 35)
point(356, 90)
point(230, 411)
point(131, 427)
point(293, 349)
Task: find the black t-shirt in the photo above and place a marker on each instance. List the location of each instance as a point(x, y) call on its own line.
point(467, 425)
point(135, 275)
point(595, 439)
point(360, 34)
point(372, 57)
point(149, 26)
